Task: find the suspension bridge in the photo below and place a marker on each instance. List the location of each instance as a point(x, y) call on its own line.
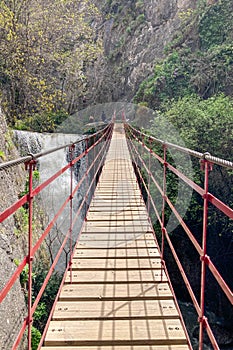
point(116, 292)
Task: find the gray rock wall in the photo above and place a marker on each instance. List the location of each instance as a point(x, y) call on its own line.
point(134, 36)
point(12, 309)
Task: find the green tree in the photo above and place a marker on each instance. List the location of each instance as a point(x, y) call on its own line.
point(36, 336)
point(206, 125)
point(45, 305)
point(170, 80)
point(45, 49)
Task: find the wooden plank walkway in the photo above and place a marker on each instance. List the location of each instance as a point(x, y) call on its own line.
point(119, 297)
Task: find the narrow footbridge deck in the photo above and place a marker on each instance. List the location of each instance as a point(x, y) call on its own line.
point(118, 295)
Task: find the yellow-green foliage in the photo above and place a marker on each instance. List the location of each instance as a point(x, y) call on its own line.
point(45, 48)
point(2, 155)
point(21, 222)
point(185, 15)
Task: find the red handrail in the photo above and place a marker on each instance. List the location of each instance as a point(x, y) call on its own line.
point(95, 166)
point(101, 138)
point(135, 136)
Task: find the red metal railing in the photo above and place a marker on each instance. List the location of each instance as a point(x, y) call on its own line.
point(147, 143)
point(94, 151)
point(96, 145)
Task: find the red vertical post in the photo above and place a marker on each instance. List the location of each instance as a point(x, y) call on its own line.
point(94, 162)
point(140, 172)
point(71, 150)
point(137, 162)
point(164, 196)
point(86, 196)
point(149, 180)
point(123, 118)
point(30, 166)
point(206, 166)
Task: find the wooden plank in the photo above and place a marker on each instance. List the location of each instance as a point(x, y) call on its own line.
point(127, 247)
point(112, 263)
point(111, 243)
point(114, 171)
point(120, 186)
point(115, 236)
point(97, 195)
point(134, 192)
point(116, 214)
point(110, 209)
point(115, 309)
point(85, 244)
point(140, 224)
point(99, 244)
point(104, 178)
point(121, 210)
point(112, 176)
point(119, 215)
point(114, 244)
point(113, 218)
point(99, 291)
point(115, 229)
point(121, 180)
point(116, 205)
point(124, 199)
point(116, 276)
point(116, 253)
point(140, 229)
point(117, 239)
point(115, 332)
point(98, 202)
point(117, 202)
point(127, 205)
point(116, 164)
point(119, 347)
point(106, 235)
point(116, 195)
point(118, 189)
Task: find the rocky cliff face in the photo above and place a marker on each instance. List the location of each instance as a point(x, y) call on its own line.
point(12, 309)
point(135, 34)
